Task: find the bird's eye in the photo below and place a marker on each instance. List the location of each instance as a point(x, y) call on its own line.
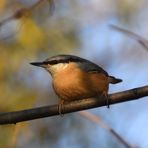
point(53, 62)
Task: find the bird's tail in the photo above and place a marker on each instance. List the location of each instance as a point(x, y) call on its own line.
point(114, 80)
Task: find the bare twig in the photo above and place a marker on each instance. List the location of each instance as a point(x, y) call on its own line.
point(25, 11)
point(46, 111)
point(141, 40)
point(101, 123)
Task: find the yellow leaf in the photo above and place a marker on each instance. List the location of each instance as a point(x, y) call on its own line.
point(30, 35)
point(2, 4)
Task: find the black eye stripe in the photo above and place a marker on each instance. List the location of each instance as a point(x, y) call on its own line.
point(52, 62)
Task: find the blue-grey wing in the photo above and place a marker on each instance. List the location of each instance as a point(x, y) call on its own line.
point(91, 67)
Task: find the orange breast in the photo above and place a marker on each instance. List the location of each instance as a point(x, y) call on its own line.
point(73, 84)
point(99, 82)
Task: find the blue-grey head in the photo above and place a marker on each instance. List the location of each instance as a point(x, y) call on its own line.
point(55, 63)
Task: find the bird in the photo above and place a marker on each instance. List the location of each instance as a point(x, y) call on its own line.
point(76, 78)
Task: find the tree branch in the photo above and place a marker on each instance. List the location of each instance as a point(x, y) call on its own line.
point(140, 39)
point(46, 111)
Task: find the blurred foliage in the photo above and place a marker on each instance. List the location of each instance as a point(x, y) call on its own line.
point(30, 35)
point(2, 4)
point(127, 8)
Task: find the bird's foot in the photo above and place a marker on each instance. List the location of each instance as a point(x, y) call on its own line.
point(107, 99)
point(61, 108)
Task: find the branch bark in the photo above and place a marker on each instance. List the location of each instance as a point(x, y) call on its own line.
point(46, 111)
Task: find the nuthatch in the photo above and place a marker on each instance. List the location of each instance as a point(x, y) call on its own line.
point(76, 78)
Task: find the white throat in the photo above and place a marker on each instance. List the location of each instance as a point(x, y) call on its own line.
point(57, 67)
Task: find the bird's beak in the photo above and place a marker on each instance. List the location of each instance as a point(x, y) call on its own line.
point(40, 64)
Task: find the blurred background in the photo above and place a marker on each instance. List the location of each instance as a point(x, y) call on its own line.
point(79, 27)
